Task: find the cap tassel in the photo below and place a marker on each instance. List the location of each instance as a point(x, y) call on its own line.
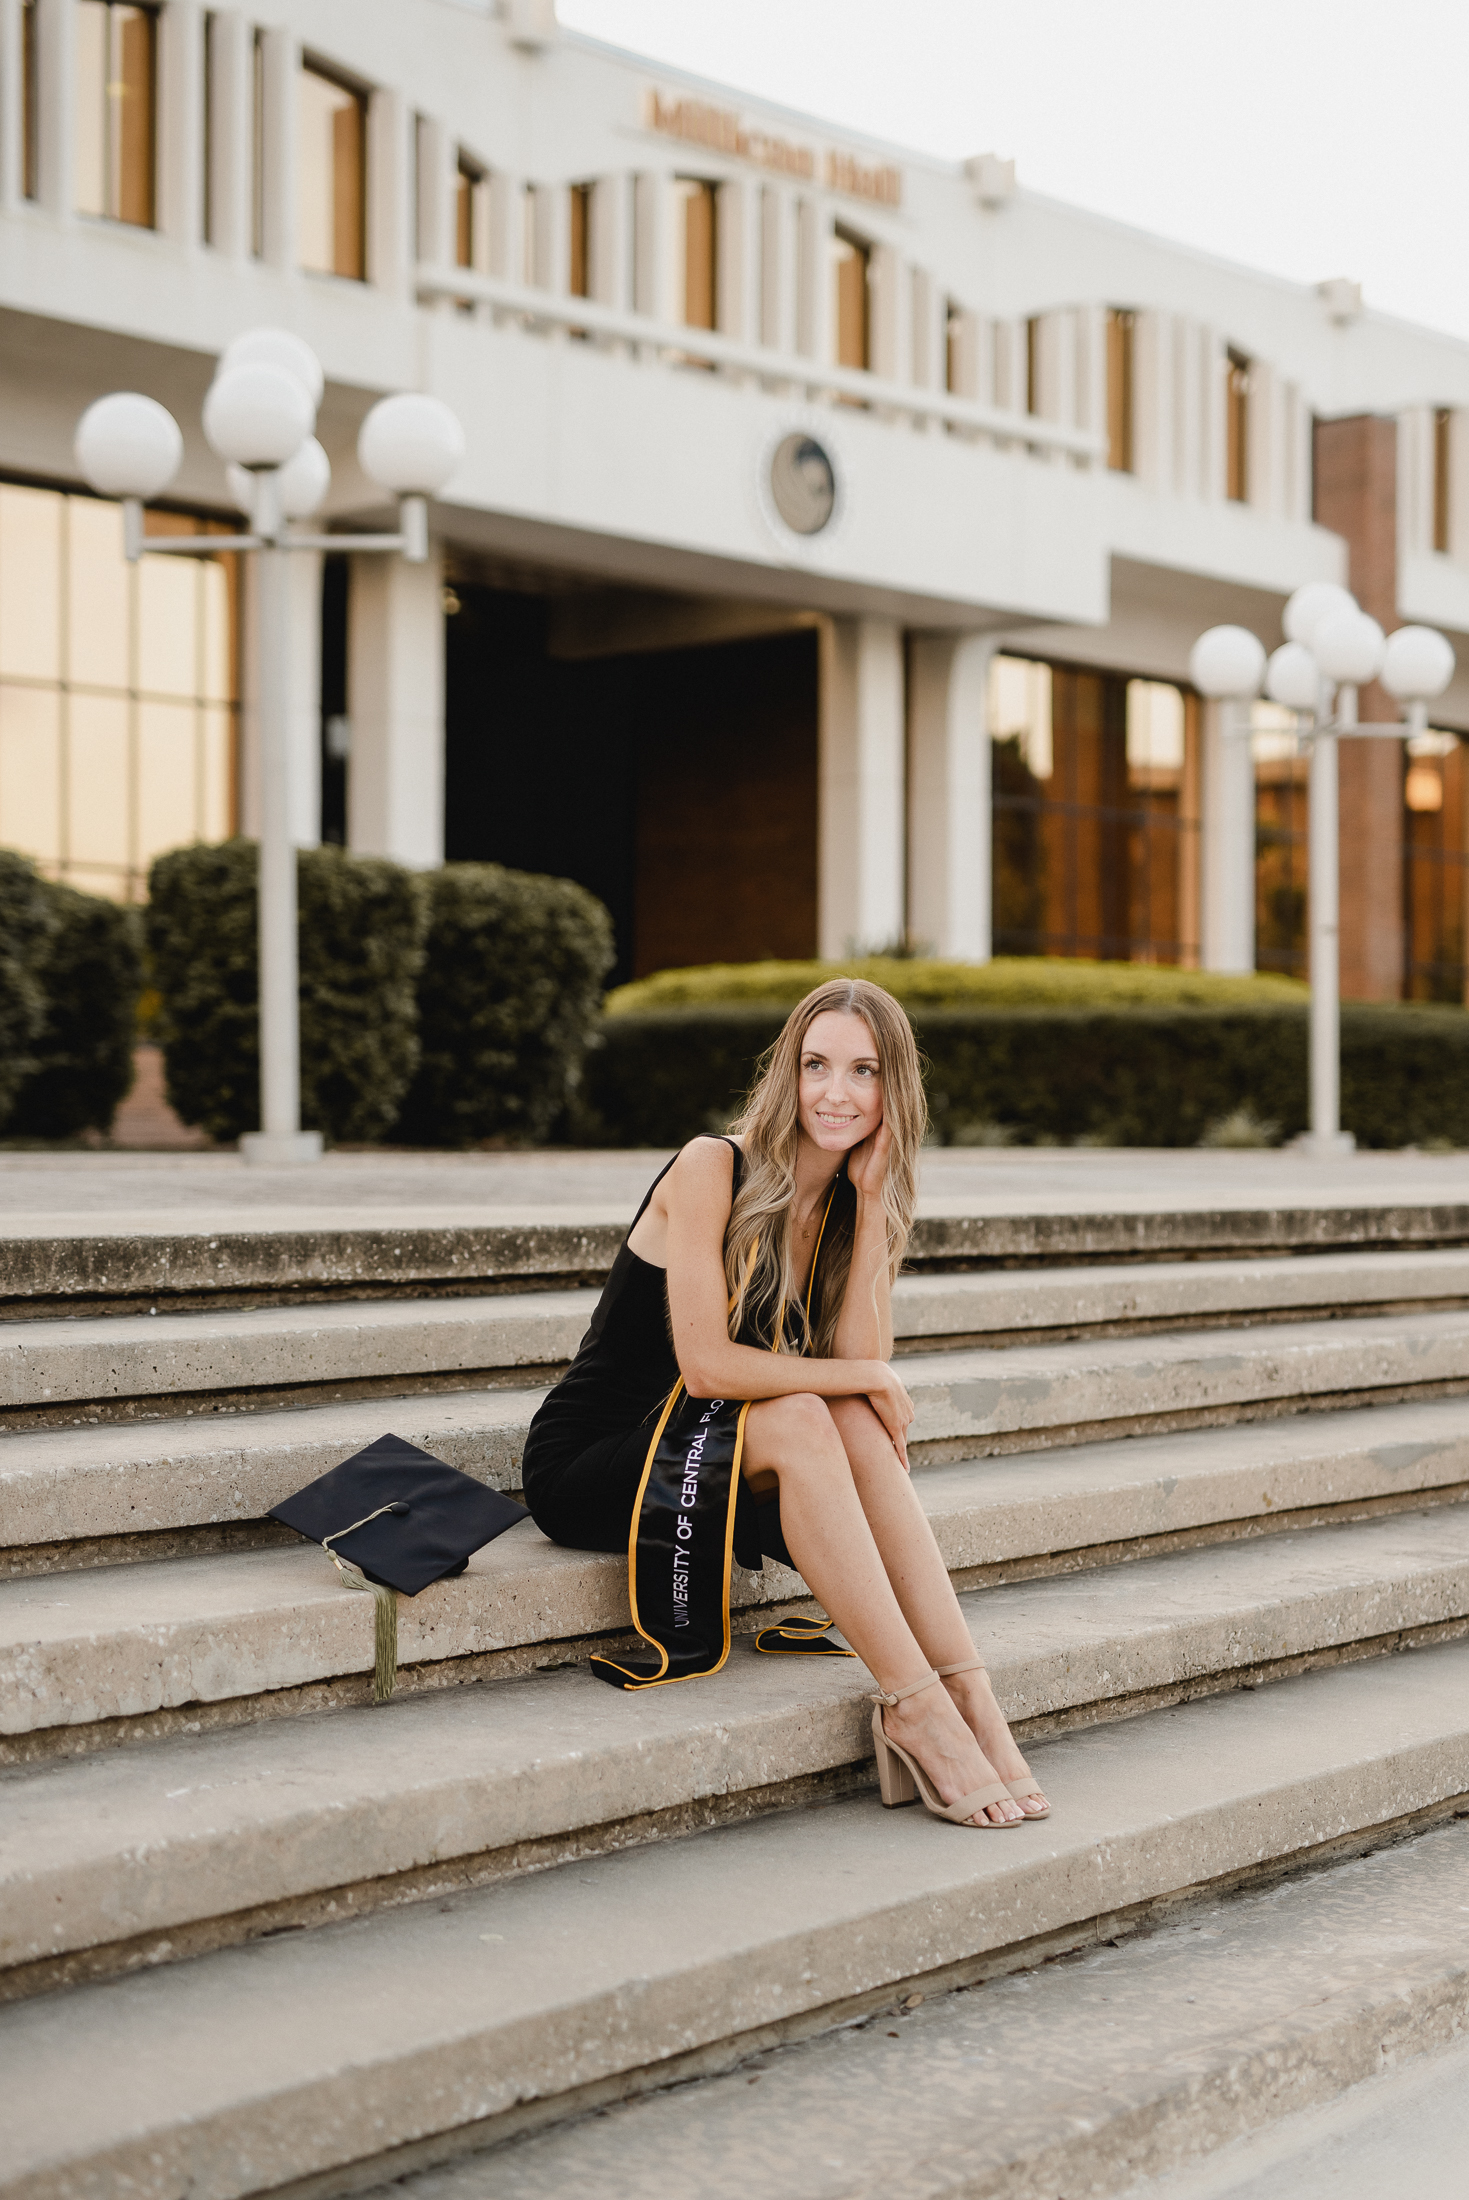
point(385, 1618)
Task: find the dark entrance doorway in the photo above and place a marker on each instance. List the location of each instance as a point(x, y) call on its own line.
point(679, 786)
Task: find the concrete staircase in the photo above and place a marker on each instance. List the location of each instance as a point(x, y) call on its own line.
point(257, 1935)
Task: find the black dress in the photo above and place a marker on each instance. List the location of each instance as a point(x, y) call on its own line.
point(586, 1447)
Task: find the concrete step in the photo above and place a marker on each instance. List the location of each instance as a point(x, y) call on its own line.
point(1198, 2050)
point(213, 1257)
point(128, 1643)
point(397, 2039)
point(176, 1362)
point(81, 1485)
point(236, 1832)
point(1405, 2126)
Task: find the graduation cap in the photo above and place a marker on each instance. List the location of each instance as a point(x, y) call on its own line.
point(392, 1519)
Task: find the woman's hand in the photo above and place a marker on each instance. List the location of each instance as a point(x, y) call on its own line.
point(867, 1164)
point(891, 1403)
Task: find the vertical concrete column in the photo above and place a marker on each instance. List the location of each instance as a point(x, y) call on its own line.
point(1298, 464)
point(1459, 485)
point(395, 691)
point(737, 262)
point(12, 105)
point(279, 165)
point(814, 316)
point(1213, 433)
point(1415, 480)
point(1227, 854)
point(1263, 456)
point(303, 710)
point(391, 245)
point(612, 241)
point(657, 290)
point(181, 122)
point(1152, 400)
point(435, 173)
point(890, 327)
point(1091, 376)
point(949, 830)
point(861, 776)
point(506, 241)
point(56, 105)
point(1356, 496)
point(231, 133)
point(777, 268)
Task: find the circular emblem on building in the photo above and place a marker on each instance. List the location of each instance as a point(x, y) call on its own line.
point(803, 484)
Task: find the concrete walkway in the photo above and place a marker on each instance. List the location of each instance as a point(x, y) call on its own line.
point(145, 1192)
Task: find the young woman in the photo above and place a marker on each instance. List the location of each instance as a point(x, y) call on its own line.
point(790, 1232)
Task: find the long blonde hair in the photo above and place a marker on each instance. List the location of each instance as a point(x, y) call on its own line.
point(757, 1243)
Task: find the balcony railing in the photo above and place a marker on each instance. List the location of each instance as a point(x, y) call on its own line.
point(674, 342)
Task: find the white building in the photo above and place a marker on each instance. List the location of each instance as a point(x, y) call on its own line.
point(806, 479)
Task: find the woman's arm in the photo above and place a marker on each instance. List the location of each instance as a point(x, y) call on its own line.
point(864, 1328)
point(698, 1188)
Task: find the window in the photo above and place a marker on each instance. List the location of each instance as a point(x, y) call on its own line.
point(1096, 815)
point(955, 377)
point(1443, 430)
point(206, 132)
point(117, 692)
point(1236, 426)
point(332, 121)
point(116, 110)
point(1436, 868)
point(853, 300)
point(1282, 780)
point(30, 148)
point(1120, 327)
point(581, 244)
point(468, 202)
point(699, 260)
point(257, 146)
point(1032, 366)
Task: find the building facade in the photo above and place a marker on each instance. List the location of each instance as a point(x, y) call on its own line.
point(833, 532)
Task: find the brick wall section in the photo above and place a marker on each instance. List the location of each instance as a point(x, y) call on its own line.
point(1356, 496)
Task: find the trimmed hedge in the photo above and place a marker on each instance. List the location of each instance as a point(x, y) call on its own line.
point(90, 971)
point(1013, 981)
point(1142, 1076)
point(507, 1004)
point(27, 919)
point(362, 924)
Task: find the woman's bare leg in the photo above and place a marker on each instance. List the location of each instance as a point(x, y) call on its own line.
point(793, 1444)
point(921, 1583)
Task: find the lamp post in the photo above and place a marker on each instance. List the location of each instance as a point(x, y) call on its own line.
point(259, 416)
point(1331, 648)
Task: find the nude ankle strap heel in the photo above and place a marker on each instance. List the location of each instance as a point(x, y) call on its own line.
point(901, 1779)
point(1021, 1790)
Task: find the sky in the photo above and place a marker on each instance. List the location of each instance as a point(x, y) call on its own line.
point(1309, 138)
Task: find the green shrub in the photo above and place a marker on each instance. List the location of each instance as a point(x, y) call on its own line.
point(1140, 1076)
point(361, 932)
point(507, 1004)
point(1014, 981)
point(27, 919)
point(90, 971)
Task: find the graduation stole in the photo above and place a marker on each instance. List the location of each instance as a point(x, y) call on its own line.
point(681, 1541)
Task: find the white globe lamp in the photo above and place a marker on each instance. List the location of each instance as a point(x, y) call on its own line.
point(1310, 606)
point(410, 444)
point(1349, 647)
point(301, 484)
point(1227, 663)
point(128, 446)
point(1417, 664)
point(257, 416)
point(276, 347)
point(1293, 677)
